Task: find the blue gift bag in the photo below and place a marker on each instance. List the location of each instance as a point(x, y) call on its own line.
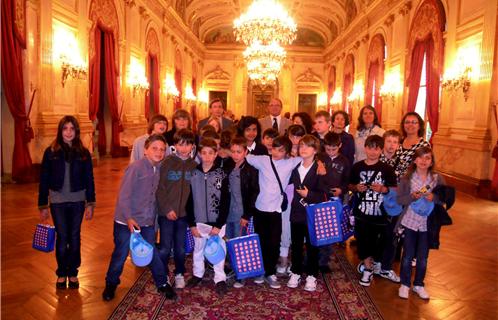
point(44, 238)
point(246, 257)
point(142, 252)
point(189, 241)
point(213, 250)
point(346, 227)
point(324, 222)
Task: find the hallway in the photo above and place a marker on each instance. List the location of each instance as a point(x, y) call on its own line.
point(462, 276)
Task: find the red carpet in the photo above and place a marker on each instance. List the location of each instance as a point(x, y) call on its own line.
point(338, 296)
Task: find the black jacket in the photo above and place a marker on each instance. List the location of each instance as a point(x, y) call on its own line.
point(53, 170)
point(439, 216)
point(249, 186)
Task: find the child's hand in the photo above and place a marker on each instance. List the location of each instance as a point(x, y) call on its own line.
point(321, 171)
point(429, 196)
point(417, 195)
point(243, 222)
point(303, 192)
point(195, 232)
point(43, 214)
point(89, 212)
point(361, 187)
point(132, 225)
point(378, 188)
point(336, 191)
point(171, 215)
point(215, 231)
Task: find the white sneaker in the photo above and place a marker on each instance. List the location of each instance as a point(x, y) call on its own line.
point(366, 277)
point(421, 292)
point(377, 267)
point(310, 283)
point(283, 265)
point(273, 282)
point(403, 292)
point(390, 275)
point(293, 280)
point(179, 281)
point(239, 284)
point(414, 262)
point(259, 280)
point(360, 267)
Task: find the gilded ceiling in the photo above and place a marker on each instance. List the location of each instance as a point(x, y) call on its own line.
point(319, 21)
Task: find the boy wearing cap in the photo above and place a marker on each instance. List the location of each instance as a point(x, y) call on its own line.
point(136, 210)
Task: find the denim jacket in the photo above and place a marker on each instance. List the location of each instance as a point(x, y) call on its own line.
point(52, 175)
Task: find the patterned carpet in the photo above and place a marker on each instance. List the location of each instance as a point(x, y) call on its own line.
point(338, 296)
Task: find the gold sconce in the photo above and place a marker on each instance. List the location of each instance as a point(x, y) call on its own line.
point(75, 71)
point(66, 51)
point(357, 93)
point(454, 80)
point(203, 97)
point(391, 87)
point(336, 98)
point(170, 89)
point(136, 77)
point(189, 95)
point(322, 100)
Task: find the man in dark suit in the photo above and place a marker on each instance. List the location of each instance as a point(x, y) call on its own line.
point(275, 120)
point(216, 111)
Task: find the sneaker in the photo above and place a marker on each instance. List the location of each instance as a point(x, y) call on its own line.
point(179, 281)
point(259, 280)
point(168, 291)
point(108, 293)
point(194, 281)
point(403, 292)
point(390, 275)
point(293, 280)
point(377, 267)
point(366, 277)
point(273, 282)
point(239, 284)
point(360, 267)
point(414, 262)
point(221, 288)
point(421, 292)
point(310, 283)
point(282, 266)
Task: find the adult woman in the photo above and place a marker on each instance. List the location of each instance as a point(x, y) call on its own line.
point(158, 124)
point(413, 130)
point(181, 120)
point(368, 124)
point(303, 119)
point(250, 129)
point(66, 179)
point(340, 120)
point(215, 122)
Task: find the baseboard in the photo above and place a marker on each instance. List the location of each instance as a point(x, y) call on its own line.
point(476, 187)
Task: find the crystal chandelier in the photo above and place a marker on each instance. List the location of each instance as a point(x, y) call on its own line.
point(264, 62)
point(265, 21)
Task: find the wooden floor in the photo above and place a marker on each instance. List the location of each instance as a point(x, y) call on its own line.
point(462, 276)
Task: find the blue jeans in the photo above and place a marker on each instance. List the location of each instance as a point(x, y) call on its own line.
point(172, 235)
point(67, 218)
point(415, 245)
point(120, 253)
point(234, 230)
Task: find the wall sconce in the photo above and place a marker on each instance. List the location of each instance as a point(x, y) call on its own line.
point(454, 79)
point(336, 98)
point(322, 100)
point(170, 89)
point(76, 71)
point(203, 97)
point(66, 51)
point(136, 77)
point(189, 95)
point(357, 93)
point(390, 88)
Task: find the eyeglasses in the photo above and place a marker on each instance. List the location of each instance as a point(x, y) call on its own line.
point(411, 122)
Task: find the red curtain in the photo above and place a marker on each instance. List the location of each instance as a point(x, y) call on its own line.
point(12, 74)
point(193, 108)
point(348, 87)
point(153, 95)
point(178, 83)
point(415, 74)
point(97, 96)
point(374, 79)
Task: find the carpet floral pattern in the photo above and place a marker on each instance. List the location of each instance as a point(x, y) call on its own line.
point(338, 296)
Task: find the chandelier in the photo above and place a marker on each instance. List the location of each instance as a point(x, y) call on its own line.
point(265, 21)
point(264, 62)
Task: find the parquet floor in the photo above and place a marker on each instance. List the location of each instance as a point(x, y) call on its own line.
point(462, 276)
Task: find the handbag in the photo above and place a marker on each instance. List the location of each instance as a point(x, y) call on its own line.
point(285, 201)
point(189, 241)
point(324, 223)
point(142, 252)
point(44, 237)
point(246, 257)
point(213, 250)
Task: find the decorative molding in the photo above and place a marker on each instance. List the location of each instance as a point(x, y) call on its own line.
point(143, 12)
point(405, 8)
point(218, 74)
point(389, 20)
point(152, 42)
point(356, 44)
point(308, 76)
point(130, 3)
point(365, 38)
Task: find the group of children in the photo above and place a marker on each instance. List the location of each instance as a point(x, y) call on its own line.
point(272, 179)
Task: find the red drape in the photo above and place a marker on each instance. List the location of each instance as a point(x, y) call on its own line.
point(415, 74)
point(348, 87)
point(374, 79)
point(193, 108)
point(110, 73)
point(178, 83)
point(153, 95)
point(12, 77)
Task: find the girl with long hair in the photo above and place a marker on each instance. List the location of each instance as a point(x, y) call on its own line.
point(368, 124)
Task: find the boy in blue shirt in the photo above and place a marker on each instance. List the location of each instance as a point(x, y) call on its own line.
point(136, 209)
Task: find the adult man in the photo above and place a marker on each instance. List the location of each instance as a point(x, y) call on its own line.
point(275, 120)
point(216, 111)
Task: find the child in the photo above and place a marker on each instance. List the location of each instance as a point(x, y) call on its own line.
point(172, 195)
point(207, 211)
point(336, 180)
point(370, 179)
point(307, 188)
point(268, 216)
point(419, 182)
point(389, 155)
point(322, 126)
point(268, 136)
point(136, 209)
point(250, 129)
point(295, 133)
point(244, 189)
point(158, 124)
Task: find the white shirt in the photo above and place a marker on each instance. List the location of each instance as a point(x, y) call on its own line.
point(252, 146)
point(303, 171)
point(270, 198)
